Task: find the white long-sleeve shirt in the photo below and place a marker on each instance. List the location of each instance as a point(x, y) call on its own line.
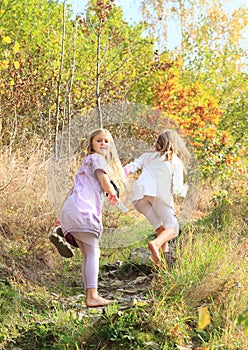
point(159, 178)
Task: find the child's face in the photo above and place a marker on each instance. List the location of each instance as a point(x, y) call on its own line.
point(100, 143)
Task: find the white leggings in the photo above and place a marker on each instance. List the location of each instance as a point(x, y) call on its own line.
point(157, 213)
point(89, 246)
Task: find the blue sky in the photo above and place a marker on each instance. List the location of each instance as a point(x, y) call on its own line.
point(132, 14)
point(130, 7)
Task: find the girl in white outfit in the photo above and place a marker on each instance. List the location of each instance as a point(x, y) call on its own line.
point(162, 176)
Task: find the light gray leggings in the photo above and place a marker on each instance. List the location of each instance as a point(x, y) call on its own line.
point(89, 246)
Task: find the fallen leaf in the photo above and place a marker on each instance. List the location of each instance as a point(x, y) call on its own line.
point(174, 330)
point(204, 318)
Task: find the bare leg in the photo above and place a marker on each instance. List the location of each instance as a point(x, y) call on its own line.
point(168, 255)
point(163, 238)
point(165, 247)
point(156, 212)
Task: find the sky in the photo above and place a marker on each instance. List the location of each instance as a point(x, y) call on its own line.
point(132, 14)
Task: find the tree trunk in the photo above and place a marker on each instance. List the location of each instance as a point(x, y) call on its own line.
point(98, 73)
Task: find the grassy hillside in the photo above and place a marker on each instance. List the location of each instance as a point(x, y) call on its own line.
point(195, 305)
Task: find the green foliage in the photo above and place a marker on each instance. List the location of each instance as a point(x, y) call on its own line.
point(220, 216)
point(204, 89)
point(64, 334)
point(29, 65)
point(204, 92)
point(125, 55)
point(122, 330)
point(8, 300)
point(243, 320)
point(38, 322)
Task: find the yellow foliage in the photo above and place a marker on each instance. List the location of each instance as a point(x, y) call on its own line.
point(204, 318)
point(16, 64)
point(6, 40)
point(5, 64)
point(16, 47)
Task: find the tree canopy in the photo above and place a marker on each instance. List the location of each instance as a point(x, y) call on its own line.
point(53, 66)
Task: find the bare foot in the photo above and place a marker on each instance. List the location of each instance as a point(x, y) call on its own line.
point(98, 301)
point(155, 251)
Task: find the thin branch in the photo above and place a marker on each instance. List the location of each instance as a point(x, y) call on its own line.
point(7, 185)
point(70, 87)
point(59, 82)
point(98, 64)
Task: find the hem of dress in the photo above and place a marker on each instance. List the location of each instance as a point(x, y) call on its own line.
point(83, 229)
point(69, 237)
point(134, 201)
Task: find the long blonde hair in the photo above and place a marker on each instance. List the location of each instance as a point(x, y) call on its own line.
point(170, 143)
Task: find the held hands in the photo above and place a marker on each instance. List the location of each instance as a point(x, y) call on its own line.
point(112, 199)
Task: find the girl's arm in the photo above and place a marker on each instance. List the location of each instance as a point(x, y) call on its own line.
point(106, 185)
point(179, 188)
point(137, 164)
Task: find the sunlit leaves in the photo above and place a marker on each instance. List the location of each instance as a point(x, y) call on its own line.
point(190, 104)
point(27, 63)
point(16, 47)
point(6, 40)
point(16, 64)
point(5, 64)
point(204, 88)
point(207, 95)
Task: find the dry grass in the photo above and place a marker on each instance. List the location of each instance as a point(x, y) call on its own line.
point(26, 215)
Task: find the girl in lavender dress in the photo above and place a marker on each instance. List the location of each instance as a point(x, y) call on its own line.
point(81, 213)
